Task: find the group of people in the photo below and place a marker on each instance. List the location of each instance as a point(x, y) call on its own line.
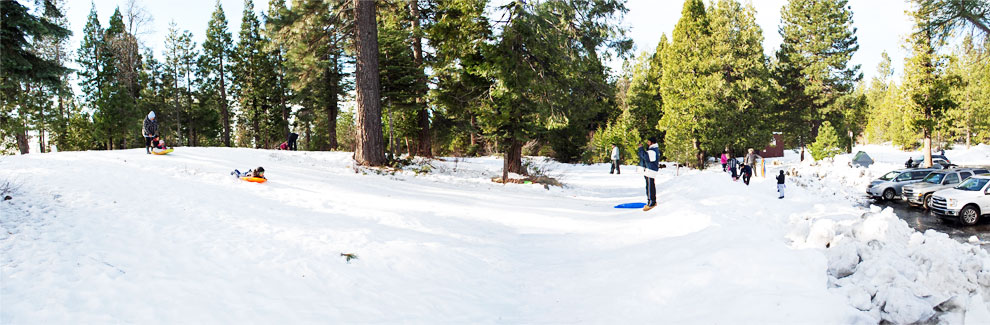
point(649, 159)
point(152, 142)
point(746, 169)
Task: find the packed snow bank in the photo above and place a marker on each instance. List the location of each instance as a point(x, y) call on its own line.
point(121, 236)
point(884, 267)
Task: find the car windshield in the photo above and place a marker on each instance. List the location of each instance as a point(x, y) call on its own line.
point(934, 178)
point(973, 184)
point(890, 176)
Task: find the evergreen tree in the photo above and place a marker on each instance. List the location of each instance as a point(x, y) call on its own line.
point(969, 119)
point(925, 84)
point(550, 77)
point(744, 90)
point(687, 86)
point(21, 65)
point(252, 79)
point(644, 96)
point(214, 66)
point(459, 32)
point(400, 76)
point(314, 35)
point(826, 145)
point(813, 65)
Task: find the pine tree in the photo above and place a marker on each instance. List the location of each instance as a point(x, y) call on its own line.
point(925, 84)
point(826, 144)
point(21, 66)
point(249, 79)
point(813, 65)
point(744, 90)
point(644, 94)
point(400, 76)
point(314, 35)
point(215, 66)
point(687, 86)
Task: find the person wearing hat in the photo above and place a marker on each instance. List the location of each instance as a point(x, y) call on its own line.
point(650, 158)
point(150, 131)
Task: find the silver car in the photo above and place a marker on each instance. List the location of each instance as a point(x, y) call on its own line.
point(920, 193)
point(889, 185)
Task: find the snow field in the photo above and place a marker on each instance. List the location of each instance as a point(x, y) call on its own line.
point(120, 236)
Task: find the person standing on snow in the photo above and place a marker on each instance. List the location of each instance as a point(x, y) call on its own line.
point(290, 142)
point(733, 166)
point(780, 184)
point(150, 130)
point(725, 159)
point(615, 160)
point(747, 173)
point(909, 163)
point(750, 161)
point(649, 158)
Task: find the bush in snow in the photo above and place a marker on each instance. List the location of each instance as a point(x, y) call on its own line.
point(826, 144)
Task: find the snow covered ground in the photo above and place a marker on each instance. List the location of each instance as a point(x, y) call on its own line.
point(120, 236)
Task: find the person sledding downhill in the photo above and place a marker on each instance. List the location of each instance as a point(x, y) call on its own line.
point(649, 159)
point(251, 173)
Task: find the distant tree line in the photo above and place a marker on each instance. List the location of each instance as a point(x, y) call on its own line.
point(447, 77)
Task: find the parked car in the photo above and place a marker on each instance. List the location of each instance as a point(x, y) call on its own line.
point(938, 162)
point(889, 185)
point(966, 202)
point(920, 193)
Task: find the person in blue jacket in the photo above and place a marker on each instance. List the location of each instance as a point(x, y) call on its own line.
point(650, 159)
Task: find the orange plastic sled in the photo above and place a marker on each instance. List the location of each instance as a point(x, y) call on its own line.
point(163, 152)
point(254, 179)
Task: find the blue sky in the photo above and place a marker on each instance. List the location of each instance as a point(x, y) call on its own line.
point(881, 24)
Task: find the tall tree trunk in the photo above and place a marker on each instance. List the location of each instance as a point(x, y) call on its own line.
point(928, 148)
point(699, 154)
point(254, 124)
point(281, 92)
point(513, 159)
point(333, 88)
point(968, 135)
point(423, 116)
point(224, 110)
point(369, 149)
point(22, 142)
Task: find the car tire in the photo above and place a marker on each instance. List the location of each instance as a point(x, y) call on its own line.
point(969, 215)
point(888, 194)
point(927, 202)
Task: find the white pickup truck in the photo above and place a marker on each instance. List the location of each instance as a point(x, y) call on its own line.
point(965, 202)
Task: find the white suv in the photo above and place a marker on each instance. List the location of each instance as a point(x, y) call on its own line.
point(967, 201)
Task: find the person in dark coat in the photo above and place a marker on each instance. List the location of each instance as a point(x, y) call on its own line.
point(909, 163)
point(150, 130)
point(733, 166)
point(650, 159)
point(291, 141)
point(780, 185)
point(747, 173)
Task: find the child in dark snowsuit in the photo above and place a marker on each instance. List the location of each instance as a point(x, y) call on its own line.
point(747, 173)
point(733, 166)
point(780, 184)
point(258, 173)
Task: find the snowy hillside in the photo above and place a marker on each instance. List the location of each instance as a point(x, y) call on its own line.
point(121, 236)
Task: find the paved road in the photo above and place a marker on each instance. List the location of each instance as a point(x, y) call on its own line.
point(922, 220)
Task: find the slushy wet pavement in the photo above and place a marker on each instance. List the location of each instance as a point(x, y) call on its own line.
point(922, 220)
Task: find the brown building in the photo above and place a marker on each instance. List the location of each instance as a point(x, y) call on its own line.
point(775, 148)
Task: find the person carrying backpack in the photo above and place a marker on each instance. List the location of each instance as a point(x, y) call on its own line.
point(650, 158)
point(733, 166)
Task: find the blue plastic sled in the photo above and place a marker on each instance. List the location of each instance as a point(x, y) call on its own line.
point(636, 205)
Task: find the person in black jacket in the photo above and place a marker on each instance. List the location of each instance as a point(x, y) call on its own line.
point(290, 142)
point(747, 173)
point(150, 131)
point(780, 184)
point(649, 158)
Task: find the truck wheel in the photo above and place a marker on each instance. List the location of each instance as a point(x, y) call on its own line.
point(928, 201)
point(888, 194)
point(968, 215)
